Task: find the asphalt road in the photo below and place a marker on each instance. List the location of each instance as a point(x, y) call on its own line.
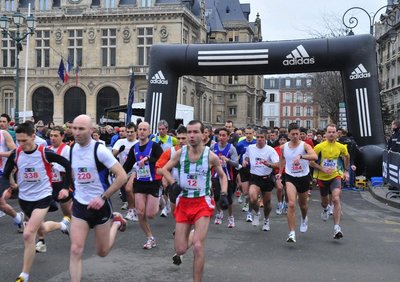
point(369, 250)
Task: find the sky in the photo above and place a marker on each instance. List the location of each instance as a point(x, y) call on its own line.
point(299, 19)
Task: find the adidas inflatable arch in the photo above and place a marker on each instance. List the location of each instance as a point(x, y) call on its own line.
point(354, 56)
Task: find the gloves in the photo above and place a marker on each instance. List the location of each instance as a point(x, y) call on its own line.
point(174, 192)
point(121, 149)
point(223, 201)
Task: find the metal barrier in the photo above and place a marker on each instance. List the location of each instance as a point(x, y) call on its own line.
point(390, 172)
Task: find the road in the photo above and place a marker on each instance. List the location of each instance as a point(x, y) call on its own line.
point(369, 250)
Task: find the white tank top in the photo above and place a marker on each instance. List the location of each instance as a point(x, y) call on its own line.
point(174, 172)
point(62, 150)
point(3, 148)
point(195, 178)
point(33, 176)
point(295, 170)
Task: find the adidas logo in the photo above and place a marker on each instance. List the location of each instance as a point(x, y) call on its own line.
point(359, 72)
point(298, 56)
point(159, 78)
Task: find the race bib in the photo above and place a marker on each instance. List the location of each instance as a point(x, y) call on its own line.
point(259, 162)
point(191, 182)
point(31, 175)
point(296, 168)
point(143, 172)
point(84, 176)
point(55, 175)
point(329, 163)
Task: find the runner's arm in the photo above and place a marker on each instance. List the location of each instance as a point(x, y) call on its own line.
point(214, 162)
point(165, 171)
point(52, 157)
point(130, 160)
point(9, 143)
point(8, 168)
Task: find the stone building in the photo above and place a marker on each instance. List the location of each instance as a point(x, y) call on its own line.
point(106, 41)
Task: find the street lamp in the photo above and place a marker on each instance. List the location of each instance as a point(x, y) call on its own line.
point(17, 35)
point(390, 19)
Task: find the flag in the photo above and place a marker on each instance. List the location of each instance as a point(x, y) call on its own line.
point(130, 98)
point(77, 75)
point(67, 70)
point(61, 70)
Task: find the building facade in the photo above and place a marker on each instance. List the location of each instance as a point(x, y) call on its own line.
point(106, 42)
point(272, 109)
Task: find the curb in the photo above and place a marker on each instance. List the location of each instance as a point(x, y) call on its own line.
point(389, 202)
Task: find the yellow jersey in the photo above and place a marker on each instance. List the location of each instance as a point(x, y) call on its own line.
point(330, 155)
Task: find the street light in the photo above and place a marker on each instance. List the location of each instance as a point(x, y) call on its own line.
point(17, 36)
point(390, 19)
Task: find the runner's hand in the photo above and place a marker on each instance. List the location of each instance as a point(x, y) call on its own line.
point(121, 149)
point(174, 192)
point(223, 201)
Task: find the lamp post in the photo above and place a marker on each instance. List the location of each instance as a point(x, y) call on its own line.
point(17, 35)
point(390, 19)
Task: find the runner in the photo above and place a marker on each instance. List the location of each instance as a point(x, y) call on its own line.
point(194, 205)
point(262, 159)
point(33, 165)
point(329, 175)
point(295, 158)
point(58, 177)
point(90, 162)
point(143, 157)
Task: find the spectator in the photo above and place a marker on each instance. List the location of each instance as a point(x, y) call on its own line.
point(5, 121)
point(68, 136)
point(394, 141)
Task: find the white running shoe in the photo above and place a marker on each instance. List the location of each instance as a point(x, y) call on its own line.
point(231, 222)
point(337, 232)
point(131, 215)
point(218, 218)
point(330, 209)
point(304, 225)
point(291, 237)
point(41, 247)
point(164, 212)
point(245, 207)
point(284, 208)
point(151, 243)
point(2, 214)
point(20, 226)
point(66, 221)
point(266, 226)
point(279, 208)
point(249, 217)
point(256, 220)
point(325, 215)
point(124, 206)
point(241, 199)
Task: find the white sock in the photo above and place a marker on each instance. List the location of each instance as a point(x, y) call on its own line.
point(25, 276)
point(17, 218)
point(63, 226)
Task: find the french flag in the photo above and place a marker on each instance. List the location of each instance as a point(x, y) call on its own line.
point(68, 69)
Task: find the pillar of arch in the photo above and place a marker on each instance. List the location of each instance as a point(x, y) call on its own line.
point(353, 56)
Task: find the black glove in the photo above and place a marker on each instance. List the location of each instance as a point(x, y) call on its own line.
point(223, 201)
point(121, 149)
point(174, 192)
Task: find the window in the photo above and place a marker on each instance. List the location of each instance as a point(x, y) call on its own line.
point(297, 111)
point(110, 4)
point(272, 83)
point(286, 122)
point(8, 52)
point(308, 123)
point(8, 102)
point(10, 5)
point(299, 97)
point(288, 97)
point(109, 47)
point(287, 83)
point(42, 48)
point(146, 3)
point(271, 123)
point(142, 96)
point(286, 111)
point(272, 97)
point(298, 82)
point(232, 111)
point(44, 5)
point(232, 97)
point(145, 40)
point(271, 110)
point(233, 79)
point(185, 36)
point(308, 111)
point(308, 82)
point(75, 40)
point(219, 99)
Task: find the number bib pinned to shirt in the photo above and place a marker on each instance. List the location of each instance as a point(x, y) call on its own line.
point(85, 175)
point(143, 172)
point(31, 175)
point(329, 163)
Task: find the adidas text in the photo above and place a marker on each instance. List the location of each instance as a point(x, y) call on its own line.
point(299, 61)
point(158, 81)
point(360, 75)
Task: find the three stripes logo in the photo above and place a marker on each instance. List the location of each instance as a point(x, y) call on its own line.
point(359, 72)
point(233, 57)
point(298, 56)
point(159, 78)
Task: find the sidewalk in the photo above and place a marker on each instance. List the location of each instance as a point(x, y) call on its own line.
point(382, 194)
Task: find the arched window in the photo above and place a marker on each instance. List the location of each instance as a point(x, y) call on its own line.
point(43, 104)
point(107, 97)
point(74, 103)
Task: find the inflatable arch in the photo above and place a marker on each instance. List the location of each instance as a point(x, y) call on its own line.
point(354, 56)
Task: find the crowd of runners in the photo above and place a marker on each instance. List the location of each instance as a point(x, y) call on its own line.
point(192, 173)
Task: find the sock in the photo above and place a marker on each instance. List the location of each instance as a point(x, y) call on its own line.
point(63, 226)
point(25, 276)
point(42, 240)
point(17, 218)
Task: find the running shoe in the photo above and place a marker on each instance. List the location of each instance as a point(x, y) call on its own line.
point(279, 208)
point(67, 223)
point(118, 218)
point(124, 206)
point(330, 209)
point(241, 199)
point(291, 237)
point(245, 207)
point(20, 279)
point(41, 247)
point(337, 233)
point(177, 260)
point(249, 217)
point(131, 215)
point(325, 215)
point(2, 214)
point(20, 225)
point(231, 222)
point(164, 212)
point(266, 226)
point(256, 220)
point(218, 218)
point(284, 208)
point(151, 243)
point(304, 225)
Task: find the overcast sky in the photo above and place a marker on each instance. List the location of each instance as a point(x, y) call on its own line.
point(295, 19)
